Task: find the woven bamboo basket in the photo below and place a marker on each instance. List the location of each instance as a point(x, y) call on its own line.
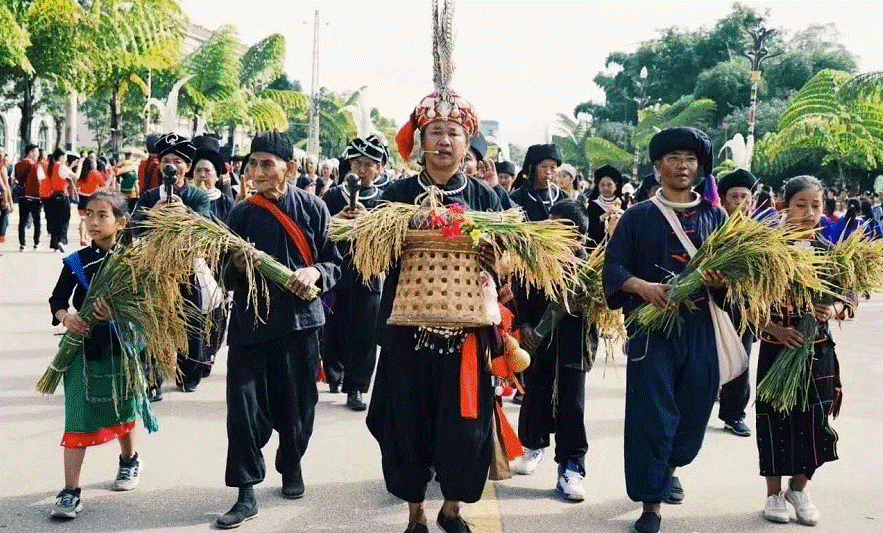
point(439, 283)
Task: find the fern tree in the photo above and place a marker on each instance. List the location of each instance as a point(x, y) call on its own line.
point(686, 112)
point(836, 118)
point(586, 151)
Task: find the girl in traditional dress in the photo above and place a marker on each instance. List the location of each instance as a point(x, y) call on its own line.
point(605, 204)
point(97, 406)
point(797, 443)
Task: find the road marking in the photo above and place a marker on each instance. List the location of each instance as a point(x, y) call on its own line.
point(484, 516)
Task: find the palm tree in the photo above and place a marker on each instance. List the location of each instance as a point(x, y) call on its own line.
point(228, 91)
point(837, 117)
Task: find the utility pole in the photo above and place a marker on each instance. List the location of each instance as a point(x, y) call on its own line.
point(641, 102)
point(756, 56)
point(313, 131)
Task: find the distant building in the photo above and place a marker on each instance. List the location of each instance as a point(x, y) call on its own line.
point(42, 132)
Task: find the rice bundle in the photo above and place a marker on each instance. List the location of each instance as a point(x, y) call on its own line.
point(176, 239)
point(790, 376)
point(541, 252)
point(148, 315)
point(761, 269)
point(589, 297)
point(857, 265)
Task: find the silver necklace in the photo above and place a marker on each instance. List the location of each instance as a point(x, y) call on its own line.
point(552, 199)
point(346, 194)
point(443, 192)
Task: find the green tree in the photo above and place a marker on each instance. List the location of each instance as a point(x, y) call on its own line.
point(31, 57)
point(836, 118)
point(809, 52)
point(128, 40)
point(728, 84)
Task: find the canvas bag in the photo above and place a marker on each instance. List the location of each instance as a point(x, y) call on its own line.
point(731, 356)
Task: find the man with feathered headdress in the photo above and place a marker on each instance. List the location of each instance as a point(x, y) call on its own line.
point(416, 413)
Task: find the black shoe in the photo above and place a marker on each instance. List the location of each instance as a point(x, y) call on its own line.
point(206, 371)
point(648, 523)
point(334, 388)
point(239, 513)
point(60, 248)
point(738, 427)
point(154, 394)
point(189, 387)
point(292, 482)
point(417, 527)
point(354, 401)
point(518, 398)
point(452, 525)
point(674, 492)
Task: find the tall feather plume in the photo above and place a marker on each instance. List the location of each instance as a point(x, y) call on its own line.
point(443, 47)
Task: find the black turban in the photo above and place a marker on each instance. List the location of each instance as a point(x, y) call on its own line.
point(371, 147)
point(737, 178)
point(208, 142)
point(608, 171)
point(172, 143)
point(536, 154)
point(275, 143)
point(689, 139)
point(478, 145)
point(212, 157)
point(506, 167)
point(643, 192)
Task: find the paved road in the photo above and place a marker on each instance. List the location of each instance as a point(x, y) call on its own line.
point(182, 490)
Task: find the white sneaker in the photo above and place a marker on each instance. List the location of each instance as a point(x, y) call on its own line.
point(776, 510)
point(67, 504)
point(128, 474)
point(807, 512)
point(529, 462)
point(570, 485)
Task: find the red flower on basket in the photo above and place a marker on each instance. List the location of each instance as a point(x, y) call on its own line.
point(455, 229)
point(457, 209)
point(437, 221)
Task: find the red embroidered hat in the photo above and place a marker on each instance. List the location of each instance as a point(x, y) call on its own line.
point(434, 108)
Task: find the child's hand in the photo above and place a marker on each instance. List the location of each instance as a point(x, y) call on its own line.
point(102, 310)
point(75, 324)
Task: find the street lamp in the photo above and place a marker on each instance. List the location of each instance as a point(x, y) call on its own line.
point(641, 101)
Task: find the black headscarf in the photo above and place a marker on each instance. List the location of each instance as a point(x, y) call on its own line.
point(172, 143)
point(737, 178)
point(607, 171)
point(536, 154)
point(478, 145)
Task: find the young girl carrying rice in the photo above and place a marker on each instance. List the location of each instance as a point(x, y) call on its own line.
point(796, 443)
point(98, 407)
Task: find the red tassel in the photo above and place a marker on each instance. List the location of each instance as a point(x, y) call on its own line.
point(509, 439)
point(469, 378)
point(320, 375)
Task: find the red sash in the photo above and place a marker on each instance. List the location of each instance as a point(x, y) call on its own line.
point(291, 228)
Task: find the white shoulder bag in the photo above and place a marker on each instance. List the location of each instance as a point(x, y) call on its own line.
point(731, 356)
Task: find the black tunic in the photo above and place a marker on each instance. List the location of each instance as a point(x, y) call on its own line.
point(220, 207)
point(287, 311)
point(536, 203)
point(100, 343)
point(505, 201)
point(349, 347)
point(192, 197)
point(415, 407)
point(799, 442)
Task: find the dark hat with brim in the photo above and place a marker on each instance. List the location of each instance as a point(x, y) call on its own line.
point(478, 144)
point(738, 178)
point(172, 143)
point(506, 167)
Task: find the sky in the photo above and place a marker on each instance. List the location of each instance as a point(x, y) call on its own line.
point(519, 62)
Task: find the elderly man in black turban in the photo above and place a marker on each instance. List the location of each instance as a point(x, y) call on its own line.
point(273, 362)
point(672, 379)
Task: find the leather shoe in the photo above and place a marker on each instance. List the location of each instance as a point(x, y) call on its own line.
point(452, 524)
point(354, 401)
point(239, 513)
point(417, 527)
point(293, 483)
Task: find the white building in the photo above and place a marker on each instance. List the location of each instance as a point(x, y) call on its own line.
point(42, 132)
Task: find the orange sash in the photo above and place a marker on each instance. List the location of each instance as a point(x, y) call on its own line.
point(291, 228)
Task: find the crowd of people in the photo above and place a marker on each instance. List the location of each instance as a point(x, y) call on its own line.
point(284, 206)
